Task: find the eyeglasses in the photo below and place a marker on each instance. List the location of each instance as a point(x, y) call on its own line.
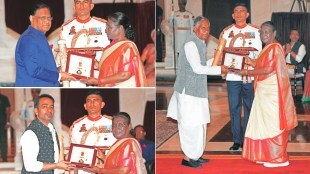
point(43, 18)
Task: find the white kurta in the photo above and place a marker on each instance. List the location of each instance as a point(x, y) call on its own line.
point(192, 113)
point(30, 150)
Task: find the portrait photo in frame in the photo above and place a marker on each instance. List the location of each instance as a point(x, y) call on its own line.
point(82, 155)
point(233, 61)
point(80, 65)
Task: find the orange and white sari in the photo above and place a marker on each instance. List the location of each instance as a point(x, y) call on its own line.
point(273, 111)
point(126, 152)
point(122, 56)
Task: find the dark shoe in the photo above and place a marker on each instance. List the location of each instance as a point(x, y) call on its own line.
point(191, 163)
point(203, 160)
point(235, 147)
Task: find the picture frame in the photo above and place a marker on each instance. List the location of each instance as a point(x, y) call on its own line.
point(80, 65)
point(233, 61)
point(82, 155)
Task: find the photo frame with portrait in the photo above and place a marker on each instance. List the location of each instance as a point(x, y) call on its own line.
point(80, 65)
point(233, 61)
point(82, 155)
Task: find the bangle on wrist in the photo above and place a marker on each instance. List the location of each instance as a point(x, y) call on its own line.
point(55, 165)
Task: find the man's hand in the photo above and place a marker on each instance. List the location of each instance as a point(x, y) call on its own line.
point(90, 81)
point(66, 76)
point(7, 125)
point(224, 69)
point(65, 165)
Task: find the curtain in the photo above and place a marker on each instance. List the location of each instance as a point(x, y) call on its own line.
point(17, 14)
point(149, 120)
point(73, 100)
point(141, 16)
point(284, 22)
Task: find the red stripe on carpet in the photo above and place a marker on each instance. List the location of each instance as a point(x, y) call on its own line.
point(228, 166)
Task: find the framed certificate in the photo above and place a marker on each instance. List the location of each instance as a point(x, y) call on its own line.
point(80, 65)
point(233, 61)
point(82, 155)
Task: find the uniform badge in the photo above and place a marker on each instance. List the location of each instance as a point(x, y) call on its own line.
point(186, 16)
point(248, 35)
point(101, 129)
point(83, 128)
point(72, 30)
point(95, 31)
point(231, 34)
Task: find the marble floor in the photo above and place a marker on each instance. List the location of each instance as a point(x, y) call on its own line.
point(219, 137)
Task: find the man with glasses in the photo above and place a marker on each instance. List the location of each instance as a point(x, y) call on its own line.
point(84, 31)
point(35, 64)
point(240, 88)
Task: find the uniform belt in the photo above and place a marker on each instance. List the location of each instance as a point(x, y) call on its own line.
point(182, 28)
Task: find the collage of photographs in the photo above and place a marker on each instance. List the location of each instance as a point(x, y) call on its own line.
point(154, 86)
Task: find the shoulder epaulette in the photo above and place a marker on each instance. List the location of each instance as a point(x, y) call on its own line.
point(78, 120)
point(228, 27)
point(67, 22)
point(255, 26)
point(108, 117)
point(99, 19)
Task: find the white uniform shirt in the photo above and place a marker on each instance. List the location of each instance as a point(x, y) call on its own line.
point(183, 27)
point(97, 37)
point(103, 124)
point(30, 150)
point(104, 138)
point(252, 39)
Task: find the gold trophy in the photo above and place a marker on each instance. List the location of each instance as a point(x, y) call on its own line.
point(63, 59)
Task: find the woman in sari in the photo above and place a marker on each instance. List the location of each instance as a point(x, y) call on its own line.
point(120, 65)
point(273, 111)
point(306, 96)
point(125, 155)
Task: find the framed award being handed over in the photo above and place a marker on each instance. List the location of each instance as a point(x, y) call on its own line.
point(82, 155)
point(80, 65)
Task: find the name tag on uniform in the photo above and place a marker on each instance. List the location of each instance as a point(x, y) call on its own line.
point(95, 31)
point(186, 16)
point(249, 34)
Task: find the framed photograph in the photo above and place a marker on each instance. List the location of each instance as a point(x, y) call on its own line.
point(233, 61)
point(82, 155)
point(80, 65)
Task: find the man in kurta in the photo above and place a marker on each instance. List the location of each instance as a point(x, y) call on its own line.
point(189, 103)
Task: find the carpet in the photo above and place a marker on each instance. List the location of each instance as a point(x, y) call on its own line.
point(228, 164)
point(165, 127)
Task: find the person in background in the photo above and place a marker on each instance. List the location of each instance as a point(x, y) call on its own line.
point(5, 112)
point(295, 51)
point(148, 147)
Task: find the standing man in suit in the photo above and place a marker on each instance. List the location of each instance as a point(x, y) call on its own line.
point(240, 88)
point(35, 64)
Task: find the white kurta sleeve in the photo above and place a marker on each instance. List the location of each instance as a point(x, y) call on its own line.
point(30, 150)
point(193, 57)
point(301, 53)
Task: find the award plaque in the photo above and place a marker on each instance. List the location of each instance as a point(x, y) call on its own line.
point(233, 61)
point(80, 65)
point(82, 155)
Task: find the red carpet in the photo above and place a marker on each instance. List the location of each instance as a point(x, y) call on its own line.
point(228, 164)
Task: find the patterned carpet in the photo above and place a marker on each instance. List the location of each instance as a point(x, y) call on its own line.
point(165, 127)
